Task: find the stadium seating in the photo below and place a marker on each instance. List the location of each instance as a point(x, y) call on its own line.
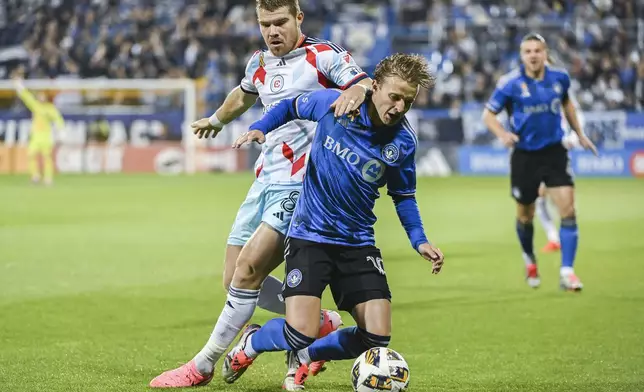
point(469, 42)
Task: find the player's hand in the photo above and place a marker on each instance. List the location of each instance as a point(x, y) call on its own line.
point(509, 139)
point(433, 254)
point(251, 136)
point(587, 144)
point(349, 100)
point(18, 84)
point(204, 129)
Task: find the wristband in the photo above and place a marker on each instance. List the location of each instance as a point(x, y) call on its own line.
point(367, 90)
point(215, 122)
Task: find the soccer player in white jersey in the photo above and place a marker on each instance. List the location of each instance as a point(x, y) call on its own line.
point(570, 141)
point(292, 65)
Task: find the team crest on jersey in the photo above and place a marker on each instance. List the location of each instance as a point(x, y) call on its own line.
point(525, 92)
point(294, 278)
point(277, 83)
point(390, 153)
point(557, 88)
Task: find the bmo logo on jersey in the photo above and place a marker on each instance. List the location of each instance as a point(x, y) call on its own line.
point(371, 171)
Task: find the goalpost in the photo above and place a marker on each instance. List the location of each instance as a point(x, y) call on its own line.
point(148, 109)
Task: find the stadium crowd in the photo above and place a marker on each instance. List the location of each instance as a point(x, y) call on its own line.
point(469, 42)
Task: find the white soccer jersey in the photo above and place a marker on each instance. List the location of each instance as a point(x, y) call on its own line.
point(313, 65)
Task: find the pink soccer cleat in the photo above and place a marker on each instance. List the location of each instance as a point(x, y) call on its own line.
point(184, 376)
point(331, 321)
point(551, 247)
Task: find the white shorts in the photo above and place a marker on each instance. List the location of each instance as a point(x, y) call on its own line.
point(269, 203)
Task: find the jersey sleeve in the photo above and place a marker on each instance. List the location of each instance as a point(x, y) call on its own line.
point(30, 100)
point(401, 180)
point(253, 69)
point(337, 65)
point(310, 106)
point(500, 96)
point(314, 105)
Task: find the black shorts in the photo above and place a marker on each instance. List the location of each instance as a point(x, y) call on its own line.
point(355, 274)
point(528, 169)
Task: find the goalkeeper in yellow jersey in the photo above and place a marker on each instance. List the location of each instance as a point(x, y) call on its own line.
point(41, 139)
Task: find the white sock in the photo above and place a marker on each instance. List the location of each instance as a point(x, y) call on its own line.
point(304, 357)
point(270, 296)
point(238, 309)
point(565, 271)
point(249, 350)
point(541, 209)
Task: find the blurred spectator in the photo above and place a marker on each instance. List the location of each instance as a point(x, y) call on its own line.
point(470, 43)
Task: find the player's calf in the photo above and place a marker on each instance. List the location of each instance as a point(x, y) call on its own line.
point(276, 335)
point(345, 343)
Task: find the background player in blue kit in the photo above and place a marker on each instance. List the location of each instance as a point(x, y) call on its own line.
point(331, 238)
point(534, 95)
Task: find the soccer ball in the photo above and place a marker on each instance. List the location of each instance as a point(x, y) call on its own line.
point(380, 369)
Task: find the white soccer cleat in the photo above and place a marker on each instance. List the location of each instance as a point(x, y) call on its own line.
point(296, 375)
point(532, 276)
point(570, 282)
point(236, 361)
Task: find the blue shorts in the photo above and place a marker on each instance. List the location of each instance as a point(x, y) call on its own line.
point(270, 203)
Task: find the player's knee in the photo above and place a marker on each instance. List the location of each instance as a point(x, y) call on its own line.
point(568, 212)
point(525, 212)
point(227, 280)
point(246, 276)
point(378, 337)
point(297, 339)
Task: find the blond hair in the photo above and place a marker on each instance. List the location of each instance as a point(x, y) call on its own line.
point(412, 68)
point(272, 5)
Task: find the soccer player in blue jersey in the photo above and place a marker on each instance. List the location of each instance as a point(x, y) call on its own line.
point(534, 96)
point(331, 238)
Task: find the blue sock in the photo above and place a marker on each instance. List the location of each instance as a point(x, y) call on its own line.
point(568, 236)
point(345, 343)
point(276, 335)
point(525, 231)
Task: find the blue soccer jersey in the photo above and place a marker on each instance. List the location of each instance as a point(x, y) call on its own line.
point(534, 106)
point(350, 160)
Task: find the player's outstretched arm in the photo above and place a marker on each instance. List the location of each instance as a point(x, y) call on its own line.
point(409, 215)
point(351, 98)
point(236, 103)
point(310, 106)
point(571, 116)
point(26, 96)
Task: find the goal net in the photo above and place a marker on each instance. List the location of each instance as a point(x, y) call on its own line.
point(113, 125)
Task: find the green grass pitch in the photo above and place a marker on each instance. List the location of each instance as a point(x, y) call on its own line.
point(106, 281)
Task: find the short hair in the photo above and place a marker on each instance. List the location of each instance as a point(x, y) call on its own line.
point(272, 5)
point(412, 68)
point(534, 37)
